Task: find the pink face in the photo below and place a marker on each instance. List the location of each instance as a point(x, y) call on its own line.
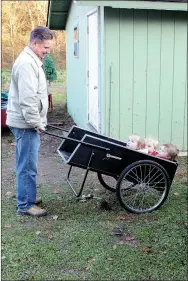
point(132, 142)
point(150, 147)
point(163, 152)
point(41, 48)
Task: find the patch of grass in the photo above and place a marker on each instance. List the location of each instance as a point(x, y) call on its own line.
point(59, 98)
point(79, 244)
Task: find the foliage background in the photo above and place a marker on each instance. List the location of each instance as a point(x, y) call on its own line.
point(50, 70)
point(18, 19)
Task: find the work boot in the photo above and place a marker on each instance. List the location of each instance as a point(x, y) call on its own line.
point(33, 211)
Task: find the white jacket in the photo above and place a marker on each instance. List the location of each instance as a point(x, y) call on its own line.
point(28, 97)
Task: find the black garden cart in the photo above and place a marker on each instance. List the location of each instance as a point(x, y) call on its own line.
point(141, 181)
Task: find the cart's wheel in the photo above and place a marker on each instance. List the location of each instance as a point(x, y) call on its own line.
point(108, 182)
point(143, 187)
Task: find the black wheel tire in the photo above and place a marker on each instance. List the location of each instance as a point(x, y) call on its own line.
point(125, 173)
point(102, 181)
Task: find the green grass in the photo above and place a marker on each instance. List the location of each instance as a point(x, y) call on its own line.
point(79, 244)
point(58, 99)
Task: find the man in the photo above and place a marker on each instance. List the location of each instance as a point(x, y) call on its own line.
point(26, 116)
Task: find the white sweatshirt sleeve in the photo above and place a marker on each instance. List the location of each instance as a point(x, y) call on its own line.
point(27, 81)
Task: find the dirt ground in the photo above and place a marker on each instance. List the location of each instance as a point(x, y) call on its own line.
point(52, 171)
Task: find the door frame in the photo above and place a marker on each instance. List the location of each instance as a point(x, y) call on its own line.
point(89, 125)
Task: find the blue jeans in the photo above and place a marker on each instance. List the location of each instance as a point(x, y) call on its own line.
point(27, 148)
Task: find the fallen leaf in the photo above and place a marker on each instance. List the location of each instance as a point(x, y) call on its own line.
point(10, 194)
point(92, 260)
point(55, 217)
point(8, 225)
point(38, 232)
point(110, 259)
point(146, 250)
point(180, 174)
point(176, 193)
point(128, 238)
point(184, 182)
point(114, 247)
point(56, 191)
point(50, 236)
point(121, 218)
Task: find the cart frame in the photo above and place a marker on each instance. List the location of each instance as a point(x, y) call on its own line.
point(107, 156)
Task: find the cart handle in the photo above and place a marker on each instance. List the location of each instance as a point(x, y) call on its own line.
point(88, 144)
point(58, 128)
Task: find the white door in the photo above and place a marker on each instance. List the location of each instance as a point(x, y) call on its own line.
point(93, 100)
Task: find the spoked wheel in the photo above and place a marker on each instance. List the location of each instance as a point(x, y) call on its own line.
point(143, 187)
point(108, 182)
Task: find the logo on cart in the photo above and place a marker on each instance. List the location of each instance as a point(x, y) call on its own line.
point(113, 156)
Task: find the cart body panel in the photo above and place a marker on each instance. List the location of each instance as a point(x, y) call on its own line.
point(67, 147)
point(111, 162)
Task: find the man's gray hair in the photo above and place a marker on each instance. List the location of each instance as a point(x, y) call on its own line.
point(41, 33)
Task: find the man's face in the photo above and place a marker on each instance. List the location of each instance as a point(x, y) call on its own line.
point(41, 48)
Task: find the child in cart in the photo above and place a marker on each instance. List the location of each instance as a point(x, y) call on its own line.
point(168, 151)
point(136, 142)
point(150, 146)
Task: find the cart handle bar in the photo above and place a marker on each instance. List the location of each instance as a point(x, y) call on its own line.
point(88, 144)
point(58, 128)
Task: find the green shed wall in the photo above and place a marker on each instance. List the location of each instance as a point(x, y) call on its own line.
point(146, 74)
point(77, 67)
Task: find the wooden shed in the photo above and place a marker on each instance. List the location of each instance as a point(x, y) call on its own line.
point(126, 64)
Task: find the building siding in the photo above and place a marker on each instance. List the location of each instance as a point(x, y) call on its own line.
point(77, 82)
point(145, 74)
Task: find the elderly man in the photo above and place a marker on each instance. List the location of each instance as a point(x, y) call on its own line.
point(26, 116)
